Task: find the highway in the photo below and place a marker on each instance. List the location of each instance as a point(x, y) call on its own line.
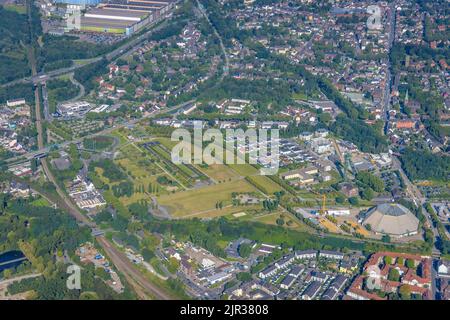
point(46, 149)
point(133, 44)
point(419, 200)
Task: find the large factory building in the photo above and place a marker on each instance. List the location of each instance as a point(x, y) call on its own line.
point(123, 16)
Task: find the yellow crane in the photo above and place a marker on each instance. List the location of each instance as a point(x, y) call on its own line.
point(323, 209)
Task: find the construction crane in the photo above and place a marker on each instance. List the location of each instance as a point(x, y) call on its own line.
point(323, 209)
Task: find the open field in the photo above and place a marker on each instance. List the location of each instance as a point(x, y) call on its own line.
point(16, 8)
point(244, 169)
point(265, 184)
point(41, 202)
point(166, 142)
point(98, 143)
point(195, 201)
point(228, 211)
point(219, 172)
point(271, 219)
point(358, 228)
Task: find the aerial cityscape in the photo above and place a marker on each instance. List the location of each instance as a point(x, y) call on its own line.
point(225, 150)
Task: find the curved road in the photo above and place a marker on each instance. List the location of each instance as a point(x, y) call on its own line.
point(216, 33)
point(119, 260)
point(132, 44)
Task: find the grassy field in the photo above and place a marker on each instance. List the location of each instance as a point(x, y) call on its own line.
point(271, 218)
point(166, 142)
point(219, 172)
point(15, 8)
point(41, 202)
point(228, 211)
point(98, 143)
point(265, 184)
point(204, 199)
point(244, 169)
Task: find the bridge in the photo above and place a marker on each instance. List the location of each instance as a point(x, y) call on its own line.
point(12, 261)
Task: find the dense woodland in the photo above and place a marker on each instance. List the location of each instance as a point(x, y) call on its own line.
point(14, 37)
point(424, 165)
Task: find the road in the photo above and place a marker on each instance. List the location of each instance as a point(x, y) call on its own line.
point(79, 85)
point(122, 263)
point(419, 200)
point(7, 282)
point(133, 44)
point(44, 149)
point(119, 260)
point(216, 33)
point(411, 189)
point(387, 89)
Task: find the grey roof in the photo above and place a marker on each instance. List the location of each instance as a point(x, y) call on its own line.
point(392, 209)
point(338, 282)
point(288, 280)
point(330, 294)
point(299, 253)
point(318, 274)
point(269, 270)
point(334, 253)
point(296, 271)
point(312, 289)
point(391, 218)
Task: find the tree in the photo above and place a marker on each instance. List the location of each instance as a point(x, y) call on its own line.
point(405, 292)
point(244, 276)
point(147, 254)
point(394, 275)
point(421, 164)
point(244, 250)
point(353, 201)
point(324, 117)
point(410, 263)
point(7, 273)
point(386, 238)
point(280, 221)
point(89, 295)
point(340, 199)
point(370, 180)
point(388, 260)
point(367, 194)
